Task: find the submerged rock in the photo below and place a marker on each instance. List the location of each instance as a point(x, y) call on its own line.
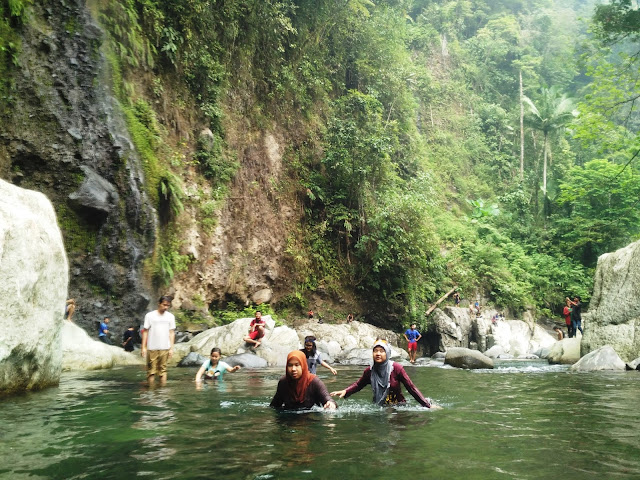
point(33, 290)
point(466, 358)
point(246, 360)
point(566, 351)
point(604, 358)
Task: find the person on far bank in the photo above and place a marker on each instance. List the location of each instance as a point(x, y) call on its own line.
point(313, 356)
point(412, 336)
point(257, 329)
point(558, 332)
point(576, 315)
point(566, 313)
point(158, 338)
point(456, 298)
point(103, 331)
point(214, 368)
point(70, 309)
point(128, 338)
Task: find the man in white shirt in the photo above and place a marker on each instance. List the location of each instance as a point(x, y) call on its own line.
point(158, 338)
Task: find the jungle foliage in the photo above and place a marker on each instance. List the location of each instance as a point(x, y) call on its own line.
point(408, 142)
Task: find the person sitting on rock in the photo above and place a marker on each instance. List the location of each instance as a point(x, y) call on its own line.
point(214, 368)
point(558, 332)
point(257, 330)
point(103, 331)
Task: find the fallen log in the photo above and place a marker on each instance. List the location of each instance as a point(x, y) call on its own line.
point(440, 300)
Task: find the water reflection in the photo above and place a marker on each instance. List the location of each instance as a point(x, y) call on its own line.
point(523, 424)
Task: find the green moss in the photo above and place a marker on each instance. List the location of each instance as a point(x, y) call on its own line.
point(79, 235)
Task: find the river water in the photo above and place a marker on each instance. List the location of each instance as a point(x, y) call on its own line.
point(519, 421)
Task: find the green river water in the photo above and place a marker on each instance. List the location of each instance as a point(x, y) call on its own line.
point(518, 421)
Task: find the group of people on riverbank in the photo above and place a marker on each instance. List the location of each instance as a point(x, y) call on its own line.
point(299, 387)
point(572, 313)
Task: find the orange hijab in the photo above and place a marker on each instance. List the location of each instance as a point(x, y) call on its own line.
point(298, 388)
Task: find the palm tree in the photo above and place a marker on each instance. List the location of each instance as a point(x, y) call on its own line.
point(553, 113)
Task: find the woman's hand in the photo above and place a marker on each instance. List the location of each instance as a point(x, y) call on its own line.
point(333, 370)
point(339, 393)
point(330, 405)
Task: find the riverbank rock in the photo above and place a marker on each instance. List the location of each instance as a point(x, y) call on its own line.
point(614, 311)
point(466, 358)
point(604, 358)
point(457, 327)
point(565, 352)
point(33, 290)
point(274, 347)
point(246, 360)
point(192, 359)
point(81, 352)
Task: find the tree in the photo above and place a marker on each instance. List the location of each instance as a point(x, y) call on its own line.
point(601, 200)
point(551, 115)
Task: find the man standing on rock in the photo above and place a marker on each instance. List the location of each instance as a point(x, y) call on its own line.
point(576, 316)
point(412, 336)
point(158, 337)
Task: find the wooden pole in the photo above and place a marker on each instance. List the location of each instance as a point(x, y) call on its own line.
point(440, 300)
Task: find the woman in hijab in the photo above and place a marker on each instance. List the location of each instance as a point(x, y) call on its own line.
point(299, 388)
point(385, 377)
point(313, 357)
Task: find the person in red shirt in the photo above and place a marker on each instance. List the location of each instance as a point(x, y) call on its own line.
point(257, 329)
point(566, 313)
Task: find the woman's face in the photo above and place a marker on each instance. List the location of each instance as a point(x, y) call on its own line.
point(308, 346)
point(294, 369)
point(215, 358)
point(379, 355)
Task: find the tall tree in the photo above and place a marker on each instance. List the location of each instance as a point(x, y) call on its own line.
point(554, 110)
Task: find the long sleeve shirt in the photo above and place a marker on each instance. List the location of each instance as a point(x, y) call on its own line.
point(398, 376)
point(316, 394)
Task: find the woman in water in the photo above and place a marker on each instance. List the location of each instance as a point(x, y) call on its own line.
point(214, 367)
point(313, 357)
point(299, 388)
point(385, 377)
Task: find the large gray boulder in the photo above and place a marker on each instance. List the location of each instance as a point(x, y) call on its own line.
point(333, 341)
point(33, 290)
point(466, 358)
point(565, 352)
point(457, 327)
point(274, 348)
point(614, 311)
point(246, 360)
point(605, 358)
point(81, 352)
point(518, 338)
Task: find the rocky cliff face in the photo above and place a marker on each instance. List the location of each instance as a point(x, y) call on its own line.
point(33, 269)
point(614, 311)
point(63, 135)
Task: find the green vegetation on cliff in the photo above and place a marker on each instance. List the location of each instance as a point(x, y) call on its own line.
point(429, 144)
point(406, 118)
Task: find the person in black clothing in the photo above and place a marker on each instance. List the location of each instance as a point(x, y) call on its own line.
point(128, 338)
point(576, 315)
point(299, 389)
